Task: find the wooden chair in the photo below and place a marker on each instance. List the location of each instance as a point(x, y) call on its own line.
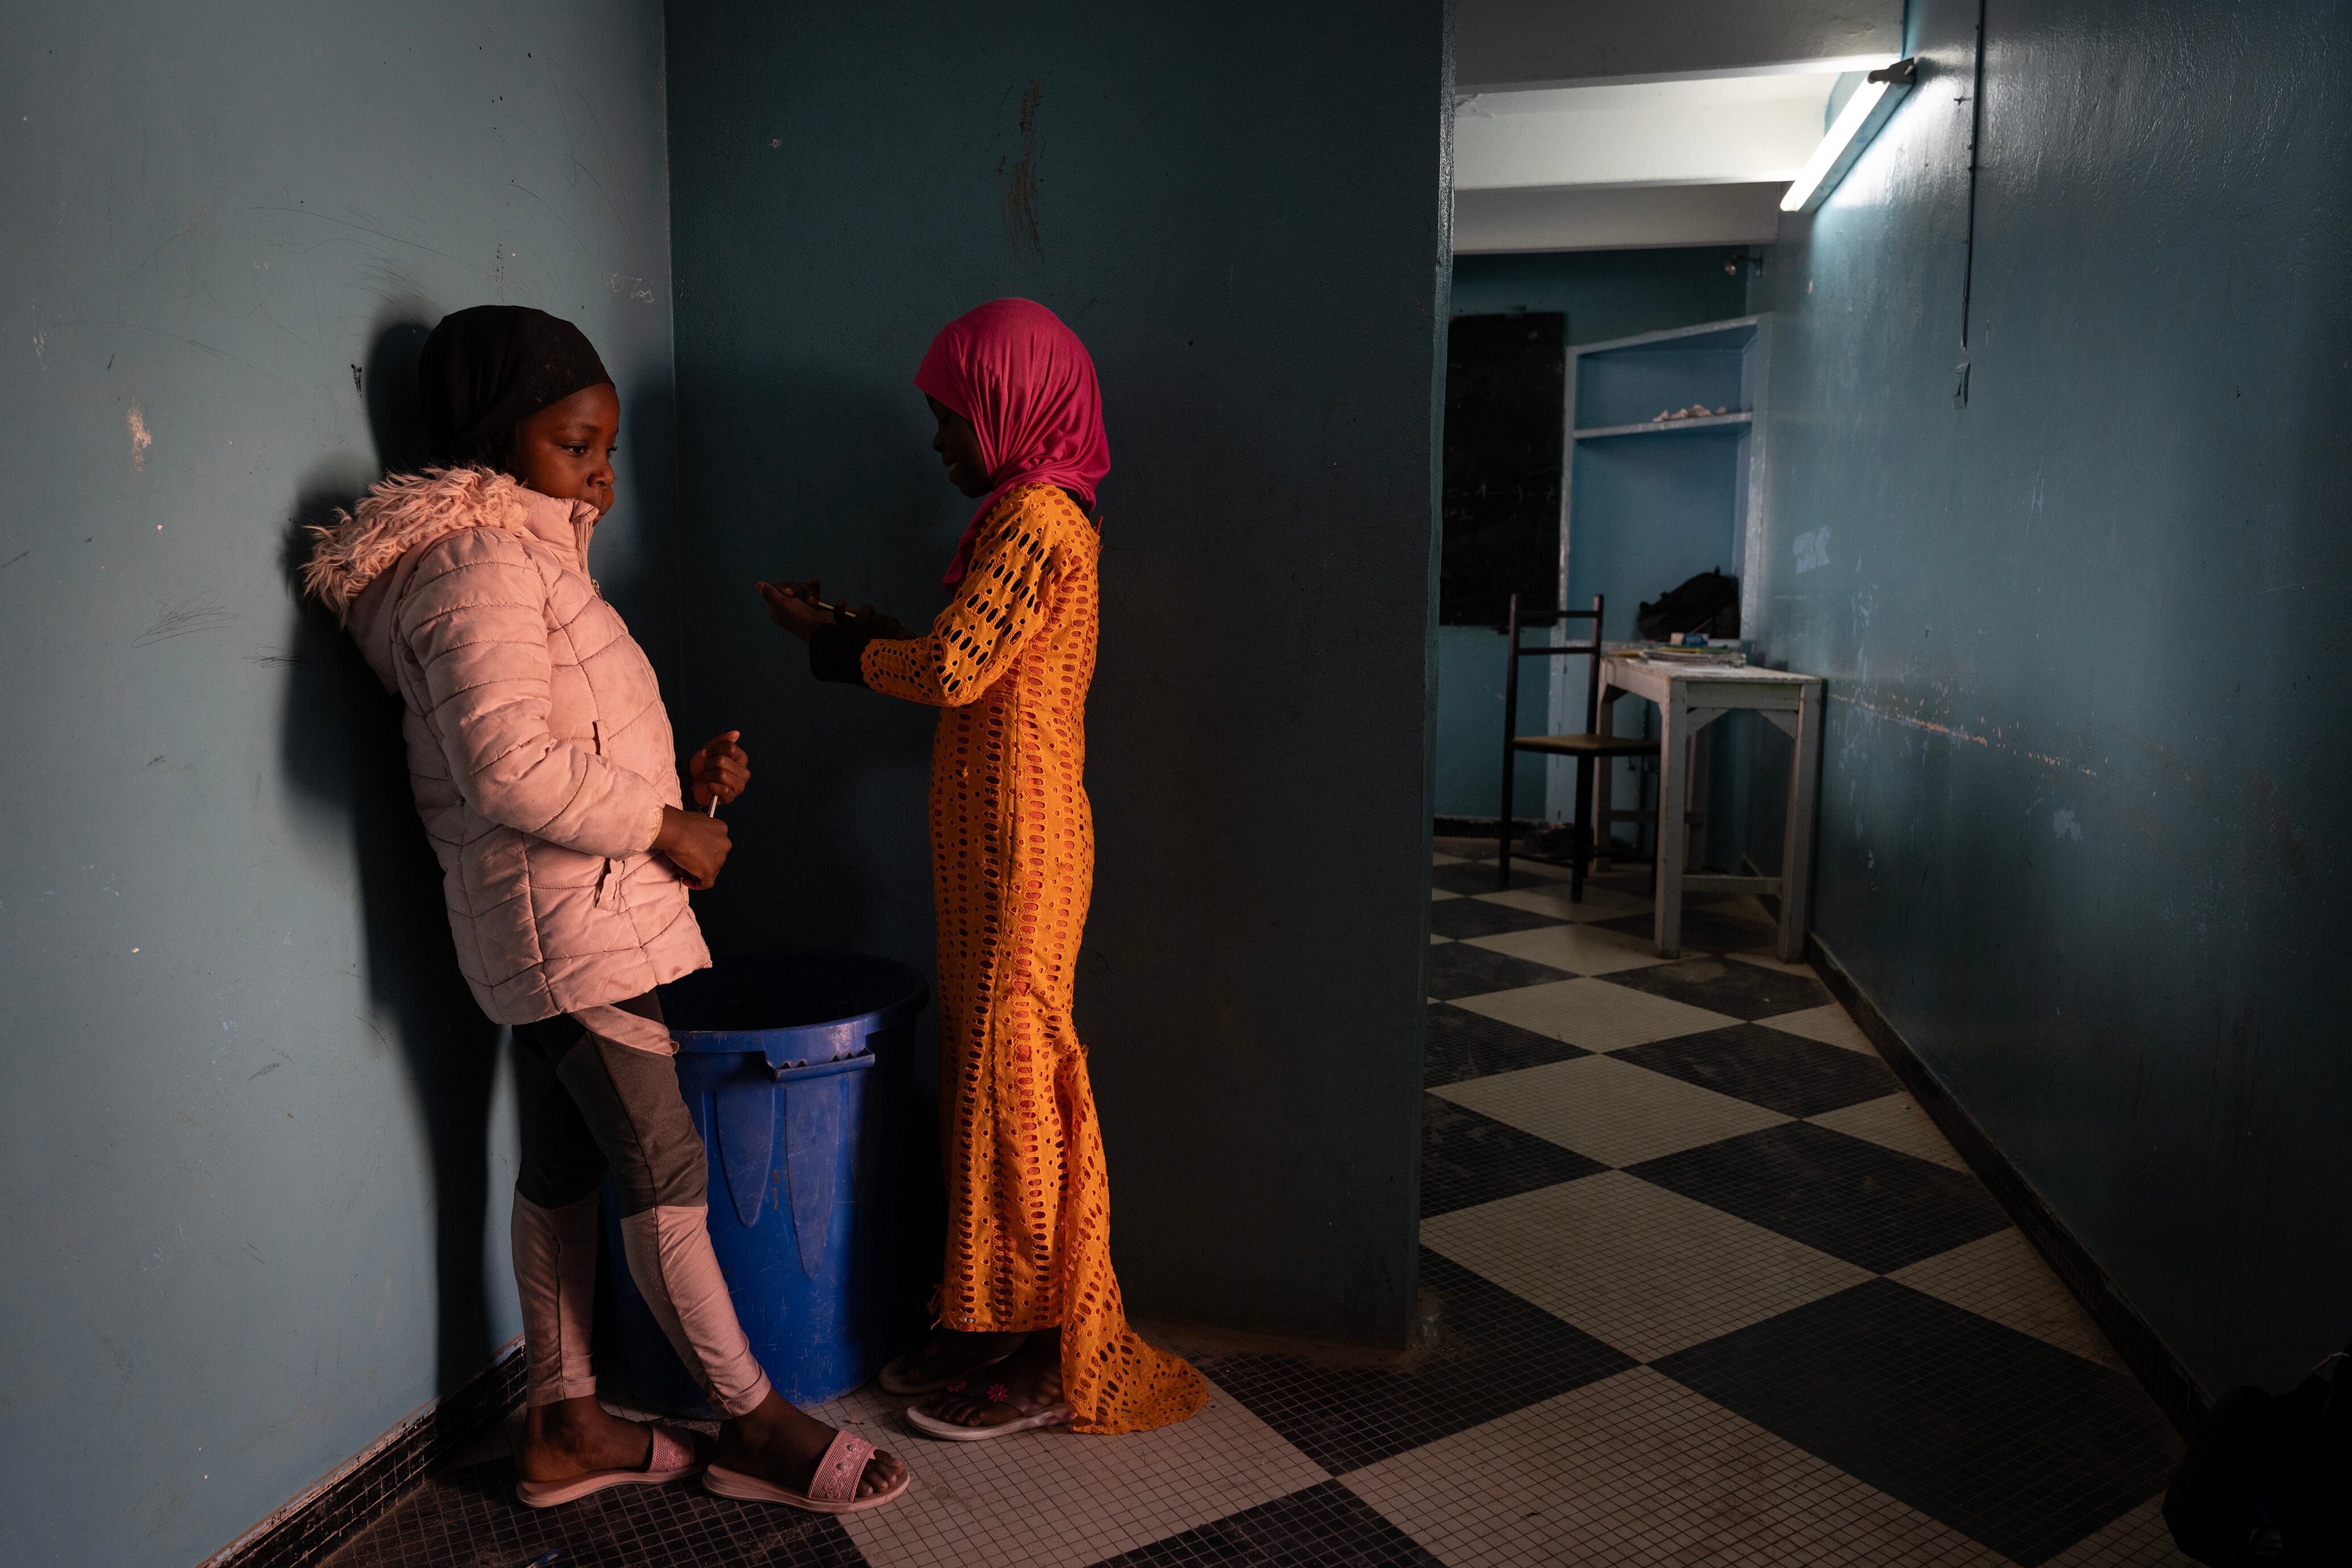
point(1587, 748)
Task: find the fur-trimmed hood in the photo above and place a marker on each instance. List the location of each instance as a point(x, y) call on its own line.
point(538, 747)
point(403, 512)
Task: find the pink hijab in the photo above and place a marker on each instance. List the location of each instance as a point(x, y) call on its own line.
point(1027, 386)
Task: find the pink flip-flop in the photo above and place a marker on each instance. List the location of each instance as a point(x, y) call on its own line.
point(832, 1490)
point(894, 1378)
point(1032, 1416)
point(673, 1458)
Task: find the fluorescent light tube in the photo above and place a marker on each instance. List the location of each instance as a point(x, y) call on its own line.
point(1871, 103)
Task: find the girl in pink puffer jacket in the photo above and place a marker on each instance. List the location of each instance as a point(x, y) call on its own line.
point(544, 766)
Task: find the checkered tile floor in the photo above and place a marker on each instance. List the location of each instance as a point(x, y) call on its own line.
point(1700, 1285)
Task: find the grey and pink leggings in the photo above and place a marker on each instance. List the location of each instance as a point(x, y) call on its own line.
point(599, 1091)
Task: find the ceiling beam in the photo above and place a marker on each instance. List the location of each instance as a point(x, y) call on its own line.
point(1500, 45)
point(1585, 217)
point(1722, 131)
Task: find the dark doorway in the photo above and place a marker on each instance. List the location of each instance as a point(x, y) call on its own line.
point(1505, 391)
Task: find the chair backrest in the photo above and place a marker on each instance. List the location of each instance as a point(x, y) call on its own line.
point(1591, 651)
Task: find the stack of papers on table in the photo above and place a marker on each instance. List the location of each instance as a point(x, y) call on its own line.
point(1659, 653)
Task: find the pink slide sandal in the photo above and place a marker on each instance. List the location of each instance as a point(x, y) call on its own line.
point(673, 1458)
point(833, 1490)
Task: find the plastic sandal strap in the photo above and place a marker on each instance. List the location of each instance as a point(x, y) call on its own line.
point(1000, 1394)
point(836, 1474)
point(668, 1453)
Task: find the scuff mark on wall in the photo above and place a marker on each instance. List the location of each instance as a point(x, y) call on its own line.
point(1958, 732)
point(136, 423)
point(203, 612)
point(1812, 549)
point(2277, 826)
point(1022, 182)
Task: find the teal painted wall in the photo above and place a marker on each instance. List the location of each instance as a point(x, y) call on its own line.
point(1470, 722)
point(1606, 294)
point(2083, 825)
point(251, 1123)
point(1260, 278)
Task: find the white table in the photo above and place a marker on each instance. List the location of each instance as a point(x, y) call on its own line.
point(1691, 695)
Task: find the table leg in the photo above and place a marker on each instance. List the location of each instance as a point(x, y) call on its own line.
point(1674, 785)
point(1796, 845)
point(1604, 776)
point(1701, 799)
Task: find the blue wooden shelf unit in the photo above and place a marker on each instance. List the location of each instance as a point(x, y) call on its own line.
point(1668, 426)
point(1651, 503)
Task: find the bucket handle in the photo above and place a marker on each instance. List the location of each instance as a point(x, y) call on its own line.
point(782, 1070)
point(745, 1130)
point(816, 1101)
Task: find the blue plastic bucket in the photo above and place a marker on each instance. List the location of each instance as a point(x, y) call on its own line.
point(794, 1067)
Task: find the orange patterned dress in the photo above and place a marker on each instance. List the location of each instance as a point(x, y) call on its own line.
point(1013, 852)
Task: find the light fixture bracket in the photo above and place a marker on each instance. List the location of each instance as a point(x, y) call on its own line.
point(1872, 105)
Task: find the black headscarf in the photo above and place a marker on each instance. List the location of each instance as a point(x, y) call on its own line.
point(486, 370)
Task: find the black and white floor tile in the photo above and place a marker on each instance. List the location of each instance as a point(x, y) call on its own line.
point(1700, 1284)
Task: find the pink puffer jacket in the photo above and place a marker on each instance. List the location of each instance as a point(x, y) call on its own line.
point(538, 745)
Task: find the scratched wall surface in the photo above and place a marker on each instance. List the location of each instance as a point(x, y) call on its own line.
point(1259, 277)
point(249, 1120)
point(2083, 822)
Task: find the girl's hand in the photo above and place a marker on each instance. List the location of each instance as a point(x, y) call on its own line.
point(874, 623)
point(696, 845)
point(720, 771)
point(793, 605)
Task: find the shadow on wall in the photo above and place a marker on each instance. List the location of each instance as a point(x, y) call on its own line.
point(831, 843)
point(641, 584)
point(846, 790)
point(343, 749)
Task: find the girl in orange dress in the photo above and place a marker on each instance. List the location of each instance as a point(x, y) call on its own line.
point(1032, 1332)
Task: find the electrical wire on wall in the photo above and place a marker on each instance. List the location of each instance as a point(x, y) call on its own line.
point(1969, 269)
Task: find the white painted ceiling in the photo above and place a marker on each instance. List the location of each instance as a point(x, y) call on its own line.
point(1718, 131)
point(1678, 124)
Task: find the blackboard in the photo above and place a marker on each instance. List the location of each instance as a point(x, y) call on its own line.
point(1505, 385)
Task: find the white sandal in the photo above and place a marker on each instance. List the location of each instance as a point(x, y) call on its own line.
point(1031, 1417)
point(894, 1378)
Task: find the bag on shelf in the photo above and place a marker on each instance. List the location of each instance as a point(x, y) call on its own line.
point(1708, 603)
